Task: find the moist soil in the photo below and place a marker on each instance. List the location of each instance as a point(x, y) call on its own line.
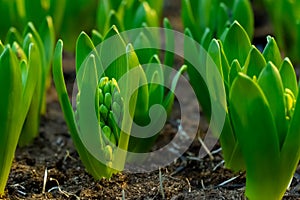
point(50, 167)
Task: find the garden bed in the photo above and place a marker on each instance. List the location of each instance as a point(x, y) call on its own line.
point(50, 168)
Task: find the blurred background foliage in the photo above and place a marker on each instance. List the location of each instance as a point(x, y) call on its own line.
point(70, 17)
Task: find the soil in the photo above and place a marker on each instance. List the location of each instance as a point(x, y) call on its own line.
point(50, 168)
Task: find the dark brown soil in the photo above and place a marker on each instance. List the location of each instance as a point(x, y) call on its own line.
point(53, 153)
point(50, 168)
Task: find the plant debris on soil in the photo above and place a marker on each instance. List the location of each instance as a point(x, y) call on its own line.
point(50, 167)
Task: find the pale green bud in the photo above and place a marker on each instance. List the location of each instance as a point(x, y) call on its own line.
point(103, 81)
point(290, 102)
point(107, 88)
point(101, 97)
point(103, 111)
point(117, 98)
point(117, 110)
point(107, 100)
point(114, 125)
point(108, 153)
point(110, 109)
point(114, 86)
point(106, 131)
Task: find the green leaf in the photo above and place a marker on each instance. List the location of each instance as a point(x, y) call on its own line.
point(84, 47)
point(10, 117)
point(242, 12)
point(121, 11)
point(87, 121)
point(234, 70)
point(236, 162)
point(12, 36)
point(145, 13)
point(157, 5)
point(222, 19)
point(169, 99)
point(296, 45)
point(148, 95)
point(290, 152)
point(24, 72)
point(38, 41)
point(57, 12)
point(236, 44)
point(93, 166)
point(170, 46)
point(231, 149)
point(130, 95)
point(28, 40)
point(97, 38)
point(225, 68)
point(30, 128)
point(206, 38)
point(32, 106)
point(195, 59)
point(154, 74)
point(228, 141)
point(144, 145)
point(140, 45)
point(47, 35)
point(214, 52)
point(113, 59)
point(255, 62)
point(62, 92)
point(33, 70)
point(141, 116)
point(115, 4)
point(21, 10)
point(18, 51)
point(39, 7)
point(288, 76)
point(256, 132)
point(205, 11)
point(5, 9)
point(270, 83)
point(225, 64)
point(113, 20)
point(224, 34)
point(102, 14)
point(44, 59)
point(188, 19)
point(1, 47)
point(272, 53)
point(126, 12)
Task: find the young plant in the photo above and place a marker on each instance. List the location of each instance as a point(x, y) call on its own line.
point(269, 105)
point(79, 15)
point(106, 108)
point(285, 18)
point(19, 13)
point(154, 71)
point(260, 133)
point(234, 55)
point(19, 66)
point(36, 11)
point(44, 39)
point(271, 150)
point(63, 12)
point(208, 19)
point(14, 14)
point(111, 108)
point(128, 14)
